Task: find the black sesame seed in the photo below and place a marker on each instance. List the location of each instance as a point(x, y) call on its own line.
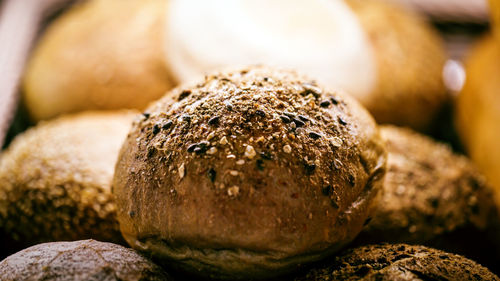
point(266, 156)
point(309, 88)
point(303, 118)
point(151, 152)
point(327, 190)
point(156, 129)
point(334, 204)
point(214, 120)
point(351, 180)
point(212, 174)
point(192, 147)
point(184, 95)
point(298, 122)
point(131, 214)
point(229, 106)
point(260, 113)
point(285, 119)
point(342, 121)
point(146, 115)
point(167, 125)
point(260, 164)
point(367, 221)
point(309, 168)
point(334, 100)
point(266, 79)
point(186, 118)
point(363, 271)
point(289, 114)
point(314, 135)
point(325, 103)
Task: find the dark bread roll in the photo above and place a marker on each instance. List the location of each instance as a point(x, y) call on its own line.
point(248, 174)
point(399, 262)
point(79, 261)
point(434, 197)
point(55, 180)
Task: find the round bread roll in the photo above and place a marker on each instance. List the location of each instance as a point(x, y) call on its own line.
point(248, 174)
point(55, 180)
point(388, 58)
point(102, 54)
point(80, 261)
point(410, 58)
point(399, 262)
point(434, 197)
point(478, 110)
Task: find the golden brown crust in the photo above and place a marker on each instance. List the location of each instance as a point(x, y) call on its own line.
point(102, 54)
point(410, 59)
point(477, 110)
point(399, 262)
point(80, 260)
point(248, 173)
point(55, 179)
point(428, 191)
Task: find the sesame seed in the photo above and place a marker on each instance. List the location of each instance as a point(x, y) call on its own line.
point(181, 170)
point(342, 121)
point(260, 113)
point(146, 115)
point(214, 120)
point(303, 118)
point(240, 162)
point(233, 190)
point(336, 141)
point(156, 129)
point(285, 119)
point(298, 122)
point(250, 152)
point(212, 150)
point(287, 148)
point(223, 140)
point(233, 173)
point(314, 135)
point(325, 103)
point(167, 125)
point(212, 174)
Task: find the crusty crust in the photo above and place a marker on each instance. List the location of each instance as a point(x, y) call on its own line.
point(55, 180)
point(248, 174)
point(410, 60)
point(399, 262)
point(80, 261)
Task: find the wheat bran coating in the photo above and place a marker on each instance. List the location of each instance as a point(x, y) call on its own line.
point(399, 262)
point(80, 260)
point(55, 179)
point(248, 174)
point(410, 58)
point(428, 191)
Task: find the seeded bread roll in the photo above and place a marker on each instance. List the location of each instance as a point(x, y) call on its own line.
point(101, 54)
point(80, 261)
point(410, 57)
point(55, 180)
point(248, 174)
point(399, 262)
point(434, 197)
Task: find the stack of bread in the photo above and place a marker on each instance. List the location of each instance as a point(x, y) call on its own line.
point(256, 153)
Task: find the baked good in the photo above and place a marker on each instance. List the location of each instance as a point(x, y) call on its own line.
point(434, 197)
point(399, 262)
point(477, 110)
point(410, 58)
point(79, 261)
point(101, 54)
point(55, 180)
point(248, 174)
point(390, 59)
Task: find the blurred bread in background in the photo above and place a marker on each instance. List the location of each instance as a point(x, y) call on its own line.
point(101, 54)
point(388, 58)
point(478, 109)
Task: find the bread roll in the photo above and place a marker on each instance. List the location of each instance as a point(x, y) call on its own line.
point(102, 54)
point(248, 174)
point(55, 180)
point(478, 110)
point(80, 261)
point(434, 197)
point(388, 58)
point(399, 262)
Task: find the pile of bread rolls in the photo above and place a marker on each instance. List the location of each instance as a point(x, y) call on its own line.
point(248, 140)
